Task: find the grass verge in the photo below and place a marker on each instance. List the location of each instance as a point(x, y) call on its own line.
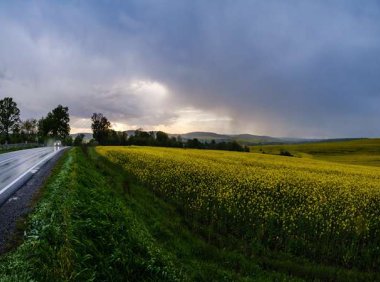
point(94, 223)
point(81, 231)
point(87, 227)
point(21, 224)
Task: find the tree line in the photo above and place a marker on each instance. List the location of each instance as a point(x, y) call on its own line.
point(104, 135)
point(54, 126)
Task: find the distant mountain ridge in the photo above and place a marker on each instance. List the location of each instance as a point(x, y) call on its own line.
point(205, 136)
point(244, 139)
point(241, 138)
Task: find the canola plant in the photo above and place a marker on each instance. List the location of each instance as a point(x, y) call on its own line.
point(319, 210)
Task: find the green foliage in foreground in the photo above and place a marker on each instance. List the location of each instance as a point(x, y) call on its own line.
point(358, 152)
point(90, 225)
point(82, 231)
point(325, 212)
point(95, 223)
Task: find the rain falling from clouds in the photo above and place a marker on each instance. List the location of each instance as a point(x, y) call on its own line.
point(281, 68)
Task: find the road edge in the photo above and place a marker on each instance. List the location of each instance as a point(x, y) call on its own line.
point(15, 210)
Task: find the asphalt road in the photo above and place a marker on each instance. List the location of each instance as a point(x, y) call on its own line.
point(17, 167)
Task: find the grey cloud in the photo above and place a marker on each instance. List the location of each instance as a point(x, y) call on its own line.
point(275, 67)
point(307, 66)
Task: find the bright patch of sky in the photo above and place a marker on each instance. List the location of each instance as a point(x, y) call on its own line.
point(281, 68)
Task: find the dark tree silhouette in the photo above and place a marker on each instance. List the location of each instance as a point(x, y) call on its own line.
point(9, 116)
point(56, 124)
point(162, 138)
point(100, 127)
point(104, 135)
point(29, 130)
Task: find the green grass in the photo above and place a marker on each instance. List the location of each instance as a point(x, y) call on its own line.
point(82, 231)
point(176, 170)
point(91, 224)
point(202, 256)
point(194, 257)
point(356, 152)
point(96, 223)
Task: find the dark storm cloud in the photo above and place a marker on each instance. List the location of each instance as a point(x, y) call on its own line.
point(273, 67)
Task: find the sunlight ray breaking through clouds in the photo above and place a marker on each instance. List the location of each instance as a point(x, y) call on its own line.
point(280, 68)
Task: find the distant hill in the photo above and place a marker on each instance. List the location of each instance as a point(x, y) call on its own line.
point(364, 151)
point(255, 139)
point(244, 139)
point(204, 136)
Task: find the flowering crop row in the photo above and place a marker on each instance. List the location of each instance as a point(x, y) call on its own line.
point(320, 210)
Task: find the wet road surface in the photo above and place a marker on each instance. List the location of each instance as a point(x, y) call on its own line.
point(17, 167)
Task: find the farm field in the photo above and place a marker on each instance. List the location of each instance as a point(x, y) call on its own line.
point(94, 224)
point(160, 214)
point(324, 212)
point(357, 152)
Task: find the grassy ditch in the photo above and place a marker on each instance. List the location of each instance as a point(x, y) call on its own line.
point(92, 225)
point(96, 223)
point(82, 231)
point(194, 258)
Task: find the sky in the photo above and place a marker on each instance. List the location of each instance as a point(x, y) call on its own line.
point(281, 68)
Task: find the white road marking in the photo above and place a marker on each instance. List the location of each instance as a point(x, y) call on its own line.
point(28, 171)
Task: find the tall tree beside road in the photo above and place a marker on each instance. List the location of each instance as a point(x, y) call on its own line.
point(56, 124)
point(100, 127)
point(29, 129)
point(9, 116)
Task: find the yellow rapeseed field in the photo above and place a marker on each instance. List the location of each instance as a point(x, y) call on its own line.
point(320, 210)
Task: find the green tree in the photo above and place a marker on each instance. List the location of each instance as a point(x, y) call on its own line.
point(56, 124)
point(29, 130)
point(162, 138)
point(100, 127)
point(9, 116)
point(68, 141)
